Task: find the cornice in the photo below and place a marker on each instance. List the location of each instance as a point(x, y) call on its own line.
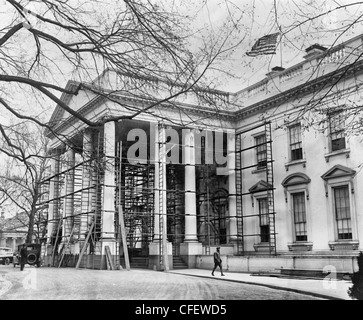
point(97, 101)
point(311, 86)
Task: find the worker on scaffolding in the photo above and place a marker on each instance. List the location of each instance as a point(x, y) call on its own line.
point(217, 261)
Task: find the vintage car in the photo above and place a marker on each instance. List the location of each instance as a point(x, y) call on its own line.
point(6, 255)
point(32, 254)
point(16, 258)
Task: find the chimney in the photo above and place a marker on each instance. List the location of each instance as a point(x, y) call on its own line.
point(275, 70)
point(314, 50)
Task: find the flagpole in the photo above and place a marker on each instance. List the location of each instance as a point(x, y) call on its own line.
point(280, 46)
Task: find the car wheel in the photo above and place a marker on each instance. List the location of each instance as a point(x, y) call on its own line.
point(31, 258)
point(7, 261)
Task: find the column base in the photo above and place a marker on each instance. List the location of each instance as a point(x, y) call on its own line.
point(189, 251)
point(111, 244)
point(154, 256)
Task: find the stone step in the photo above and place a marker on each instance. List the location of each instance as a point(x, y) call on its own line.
point(178, 263)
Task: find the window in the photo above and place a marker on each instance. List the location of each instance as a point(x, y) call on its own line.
point(298, 201)
point(295, 142)
point(336, 127)
point(264, 220)
point(261, 151)
point(342, 212)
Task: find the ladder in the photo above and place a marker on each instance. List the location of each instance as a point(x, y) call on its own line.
point(66, 246)
point(56, 240)
point(86, 241)
point(164, 263)
point(270, 189)
point(239, 192)
point(121, 221)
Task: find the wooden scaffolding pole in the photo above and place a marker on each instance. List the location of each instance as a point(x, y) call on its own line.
point(86, 243)
point(121, 215)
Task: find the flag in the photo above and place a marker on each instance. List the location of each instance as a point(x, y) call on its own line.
point(265, 45)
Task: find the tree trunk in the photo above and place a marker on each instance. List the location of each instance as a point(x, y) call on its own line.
point(29, 237)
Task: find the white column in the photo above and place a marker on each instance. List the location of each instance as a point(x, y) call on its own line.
point(51, 207)
point(14, 244)
point(190, 195)
point(108, 203)
point(190, 248)
point(232, 212)
point(69, 200)
point(87, 192)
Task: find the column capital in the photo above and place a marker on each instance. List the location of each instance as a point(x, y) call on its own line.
point(57, 151)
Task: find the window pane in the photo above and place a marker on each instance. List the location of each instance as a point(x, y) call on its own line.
point(261, 151)
point(295, 142)
point(342, 212)
point(337, 135)
point(299, 211)
point(338, 144)
point(264, 220)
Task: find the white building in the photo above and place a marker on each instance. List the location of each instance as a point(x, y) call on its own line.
point(288, 196)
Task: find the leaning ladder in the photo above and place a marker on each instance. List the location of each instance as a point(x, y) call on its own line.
point(86, 241)
point(164, 263)
point(121, 220)
point(60, 221)
point(66, 246)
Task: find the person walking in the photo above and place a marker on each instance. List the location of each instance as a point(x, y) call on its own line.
point(22, 257)
point(217, 261)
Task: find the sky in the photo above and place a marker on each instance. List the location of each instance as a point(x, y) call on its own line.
point(256, 18)
point(262, 17)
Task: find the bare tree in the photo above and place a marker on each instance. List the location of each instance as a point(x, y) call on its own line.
point(328, 24)
point(45, 43)
point(21, 180)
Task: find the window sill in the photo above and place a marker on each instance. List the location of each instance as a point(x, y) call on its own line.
point(300, 246)
point(262, 247)
point(344, 245)
point(337, 153)
point(259, 170)
point(295, 162)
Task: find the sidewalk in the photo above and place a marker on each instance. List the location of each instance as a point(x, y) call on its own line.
point(335, 289)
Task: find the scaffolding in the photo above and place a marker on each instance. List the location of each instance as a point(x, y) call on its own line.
point(148, 196)
point(265, 165)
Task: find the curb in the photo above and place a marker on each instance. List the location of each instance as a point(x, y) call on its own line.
point(271, 286)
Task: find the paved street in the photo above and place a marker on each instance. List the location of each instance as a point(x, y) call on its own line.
point(84, 284)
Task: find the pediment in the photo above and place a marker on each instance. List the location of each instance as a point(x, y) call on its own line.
point(338, 171)
point(295, 179)
point(260, 186)
point(59, 112)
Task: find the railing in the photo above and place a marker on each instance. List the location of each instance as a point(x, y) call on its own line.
point(335, 56)
point(261, 87)
point(291, 73)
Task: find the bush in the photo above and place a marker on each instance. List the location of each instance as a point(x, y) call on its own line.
point(356, 291)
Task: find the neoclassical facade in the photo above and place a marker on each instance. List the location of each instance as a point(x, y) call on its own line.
point(12, 233)
point(247, 173)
